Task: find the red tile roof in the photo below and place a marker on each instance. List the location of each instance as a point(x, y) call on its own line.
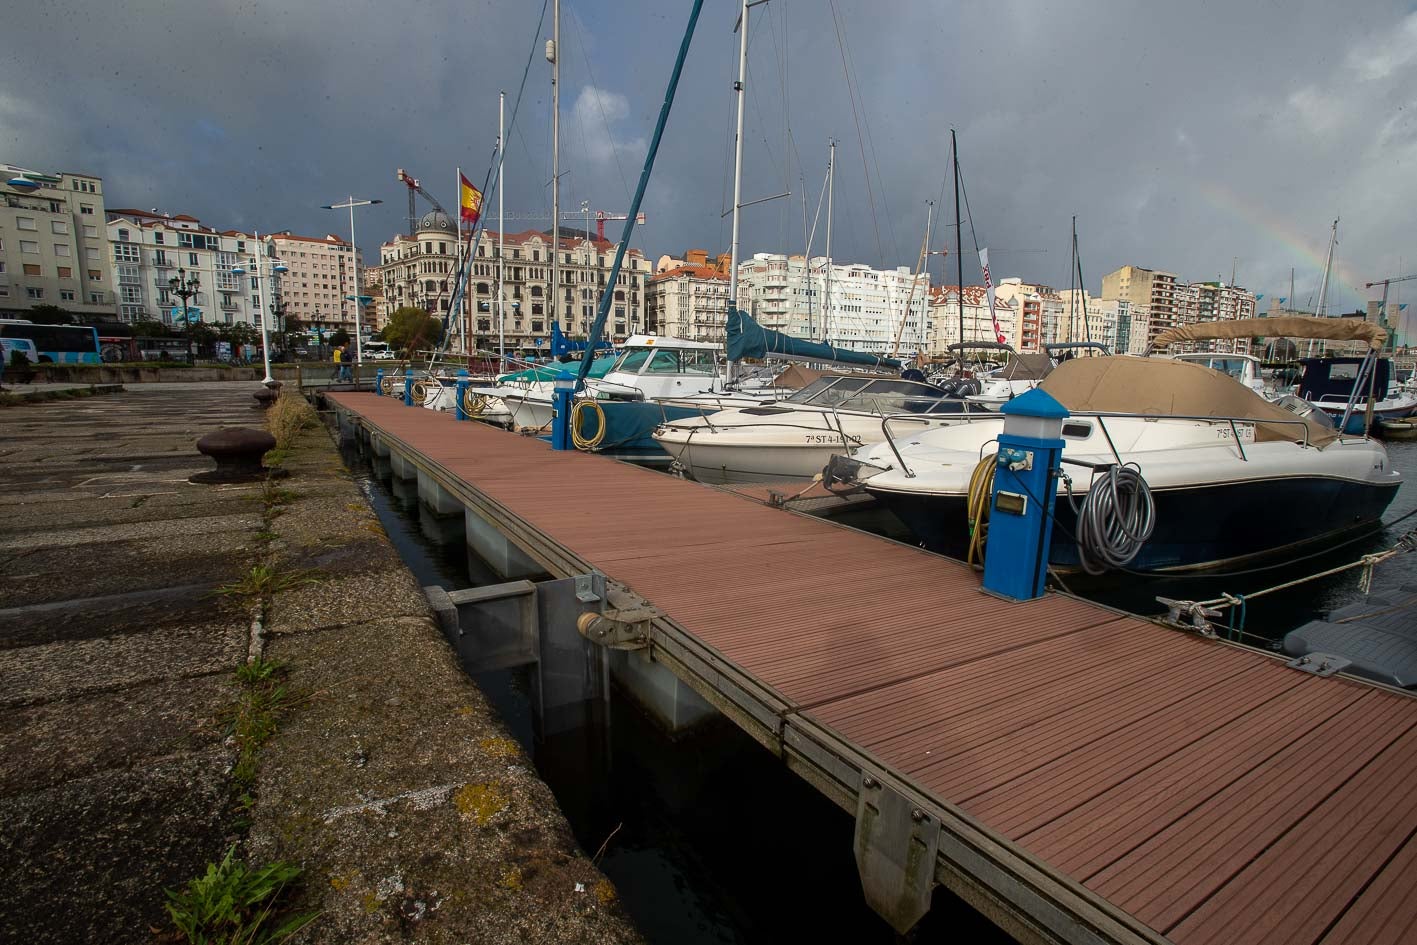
point(690, 270)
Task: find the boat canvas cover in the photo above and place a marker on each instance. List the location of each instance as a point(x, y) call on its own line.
point(796, 377)
point(547, 372)
point(748, 339)
point(1133, 385)
point(1284, 326)
point(1026, 367)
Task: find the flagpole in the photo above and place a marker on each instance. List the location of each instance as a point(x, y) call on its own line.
point(457, 189)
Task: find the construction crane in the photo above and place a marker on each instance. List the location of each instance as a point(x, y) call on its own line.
point(415, 187)
point(1382, 306)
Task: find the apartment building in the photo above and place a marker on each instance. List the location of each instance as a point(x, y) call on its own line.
point(320, 288)
point(978, 323)
point(1166, 298)
point(148, 249)
point(420, 270)
point(52, 248)
point(688, 301)
point(858, 308)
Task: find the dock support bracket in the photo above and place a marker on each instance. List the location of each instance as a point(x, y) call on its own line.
point(896, 844)
point(623, 621)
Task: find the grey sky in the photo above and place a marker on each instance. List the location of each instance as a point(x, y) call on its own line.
point(1182, 135)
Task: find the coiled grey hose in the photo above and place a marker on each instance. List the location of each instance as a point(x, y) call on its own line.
point(1116, 518)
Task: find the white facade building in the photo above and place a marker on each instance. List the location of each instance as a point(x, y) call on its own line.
point(52, 245)
point(316, 290)
point(147, 249)
point(978, 322)
point(860, 309)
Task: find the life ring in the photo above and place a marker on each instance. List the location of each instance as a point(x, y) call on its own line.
point(583, 442)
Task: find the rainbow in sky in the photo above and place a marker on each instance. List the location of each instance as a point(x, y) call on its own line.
point(1311, 248)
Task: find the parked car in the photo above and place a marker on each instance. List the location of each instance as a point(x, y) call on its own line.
point(378, 351)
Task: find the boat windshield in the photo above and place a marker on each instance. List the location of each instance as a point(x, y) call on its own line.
point(870, 396)
point(631, 361)
point(1233, 366)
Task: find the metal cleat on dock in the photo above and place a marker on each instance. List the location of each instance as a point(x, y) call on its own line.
point(1188, 615)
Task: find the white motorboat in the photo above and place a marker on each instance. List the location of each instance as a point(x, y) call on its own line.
point(794, 438)
point(1233, 476)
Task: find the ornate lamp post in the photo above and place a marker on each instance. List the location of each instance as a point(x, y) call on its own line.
point(184, 287)
point(273, 267)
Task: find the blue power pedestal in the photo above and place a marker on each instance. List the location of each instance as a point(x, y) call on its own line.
point(379, 383)
point(461, 393)
point(408, 388)
point(563, 392)
point(1025, 485)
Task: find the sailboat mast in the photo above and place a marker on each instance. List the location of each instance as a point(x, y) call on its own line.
point(553, 53)
point(1323, 286)
point(1072, 283)
point(501, 233)
point(738, 88)
point(915, 280)
point(959, 247)
point(827, 289)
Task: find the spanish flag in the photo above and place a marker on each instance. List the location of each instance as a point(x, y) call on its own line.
point(471, 201)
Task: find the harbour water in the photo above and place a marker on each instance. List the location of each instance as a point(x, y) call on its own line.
point(709, 838)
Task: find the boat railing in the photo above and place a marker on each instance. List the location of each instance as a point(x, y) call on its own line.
point(1232, 422)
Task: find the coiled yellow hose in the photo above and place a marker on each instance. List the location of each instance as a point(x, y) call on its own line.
point(473, 404)
point(583, 442)
point(981, 491)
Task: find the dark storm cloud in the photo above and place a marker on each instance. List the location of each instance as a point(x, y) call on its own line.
point(1182, 135)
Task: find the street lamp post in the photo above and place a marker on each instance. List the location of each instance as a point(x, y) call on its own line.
point(274, 267)
point(351, 203)
point(184, 287)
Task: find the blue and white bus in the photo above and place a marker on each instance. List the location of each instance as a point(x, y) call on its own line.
point(60, 344)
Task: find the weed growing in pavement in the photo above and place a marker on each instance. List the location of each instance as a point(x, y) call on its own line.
point(288, 416)
point(263, 580)
point(233, 903)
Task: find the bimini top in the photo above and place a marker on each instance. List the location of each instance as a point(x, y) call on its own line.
point(1284, 326)
point(1156, 386)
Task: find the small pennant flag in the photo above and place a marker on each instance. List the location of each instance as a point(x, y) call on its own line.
point(1259, 296)
point(1402, 307)
point(1283, 299)
point(471, 201)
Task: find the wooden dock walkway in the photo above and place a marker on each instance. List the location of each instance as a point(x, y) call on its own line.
point(1082, 775)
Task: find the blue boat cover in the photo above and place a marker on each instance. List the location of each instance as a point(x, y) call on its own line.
point(748, 339)
point(560, 344)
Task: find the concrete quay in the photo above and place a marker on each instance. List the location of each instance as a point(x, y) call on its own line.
point(389, 780)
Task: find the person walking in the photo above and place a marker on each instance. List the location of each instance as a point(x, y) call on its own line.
point(346, 363)
point(339, 367)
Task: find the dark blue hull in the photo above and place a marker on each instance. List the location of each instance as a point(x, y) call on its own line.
point(628, 426)
point(1196, 528)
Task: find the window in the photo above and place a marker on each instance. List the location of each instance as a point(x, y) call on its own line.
point(59, 227)
point(29, 246)
point(34, 293)
point(66, 295)
point(31, 269)
point(160, 257)
point(65, 272)
point(86, 209)
point(132, 293)
point(123, 236)
point(192, 259)
point(2, 266)
point(95, 275)
point(4, 292)
point(56, 207)
point(159, 238)
point(90, 231)
point(25, 223)
point(95, 298)
point(62, 249)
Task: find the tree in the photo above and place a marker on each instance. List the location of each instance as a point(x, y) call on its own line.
point(149, 328)
point(340, 338)
point(201, 335)
point(50, 315)
point(412, 328)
